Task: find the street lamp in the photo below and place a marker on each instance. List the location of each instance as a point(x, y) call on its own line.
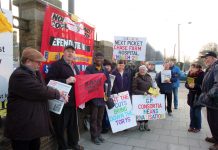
point(179, 40)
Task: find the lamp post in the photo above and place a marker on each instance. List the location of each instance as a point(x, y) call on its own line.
point(179, 40)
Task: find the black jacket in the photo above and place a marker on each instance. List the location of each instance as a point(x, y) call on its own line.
point(27, 109)
point(60, 71)
point(141, 84)
point(121, 83)
point(165, 87)
point(194, 93)
point(93, 70)
point(209, 95)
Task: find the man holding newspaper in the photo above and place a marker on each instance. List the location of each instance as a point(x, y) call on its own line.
point(27, 111)
point(64, 71)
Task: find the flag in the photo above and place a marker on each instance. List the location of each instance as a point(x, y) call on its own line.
point(88, 87)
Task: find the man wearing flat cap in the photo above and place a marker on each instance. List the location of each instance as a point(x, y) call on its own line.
point(27, 111)
point(209, 96)
point(97, 105)
point(64, 71)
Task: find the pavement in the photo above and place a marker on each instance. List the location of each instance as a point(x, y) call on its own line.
point(167, 134)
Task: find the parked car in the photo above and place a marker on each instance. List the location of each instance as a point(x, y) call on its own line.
point(183, 76)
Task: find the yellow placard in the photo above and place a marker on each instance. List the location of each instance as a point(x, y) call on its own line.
point(5, 25)
point(190, 80)
point(153, 91)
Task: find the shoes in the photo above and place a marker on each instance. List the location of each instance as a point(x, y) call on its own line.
point(176, 108)
point(78, 147)
point(141, 127)
point(214, 147)
point(101, 139)
point(170, 114)
point(191, 130)
point(96, 141)
point(146, 127)
point(210, 140)
point(196, 130)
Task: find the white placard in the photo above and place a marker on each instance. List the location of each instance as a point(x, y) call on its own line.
point(129, 48)
point(112, 78)
point(153, 76)
point(165, 74)
point(149, 107)
point(55, 105)
point(121, 116)
point(6, 58)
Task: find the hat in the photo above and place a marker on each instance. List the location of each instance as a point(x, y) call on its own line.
point(33, 54)
point(121, 62)
point(151, 63)
point(69, 47)
point(107, 62)
point(209, 53)
point(99, 54)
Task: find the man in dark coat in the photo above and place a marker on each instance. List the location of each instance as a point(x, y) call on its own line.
point(27, 111)
point(64, 71)
point(97, 105)
point(209, 96)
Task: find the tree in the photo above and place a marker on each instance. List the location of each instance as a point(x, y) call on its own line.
point(207, 47)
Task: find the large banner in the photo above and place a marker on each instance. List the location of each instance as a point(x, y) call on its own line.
point(121, 116)
point(129, 48)
point(89, 86)
point(149, 107)
point(60, 30)
point(6, 53)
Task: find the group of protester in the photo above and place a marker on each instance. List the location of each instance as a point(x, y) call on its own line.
point(28, 117)
point(203, 91)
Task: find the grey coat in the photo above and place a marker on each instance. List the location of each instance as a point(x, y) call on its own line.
point(209, 95)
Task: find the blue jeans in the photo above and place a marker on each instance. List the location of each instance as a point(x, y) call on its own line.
point(195, 117)
point(175, 97)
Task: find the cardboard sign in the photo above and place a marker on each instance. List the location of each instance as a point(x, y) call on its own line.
point(165, 75)
point(6, 58)
point(121, 116)
point(129, 48)
point(149, 107)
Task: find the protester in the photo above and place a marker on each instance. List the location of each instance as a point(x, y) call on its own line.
point(105, 122)
point(97, 105)
point(142, 82)
point(175, 74)
point(152, 73)
point(193, 83)
point(122, 79)
point(27, 110)
point(209, 95)
point(64, 71)
point(166, 87)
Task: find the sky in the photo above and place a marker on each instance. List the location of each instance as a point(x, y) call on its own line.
point(156, 20)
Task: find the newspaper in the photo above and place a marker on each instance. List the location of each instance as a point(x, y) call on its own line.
point(112, 78)
point(165, 74)
point(56, 105)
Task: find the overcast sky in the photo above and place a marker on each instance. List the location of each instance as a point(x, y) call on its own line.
point(157, 20)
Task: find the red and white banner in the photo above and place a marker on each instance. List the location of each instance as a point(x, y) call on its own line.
point(60, 30)
point(88, 87)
